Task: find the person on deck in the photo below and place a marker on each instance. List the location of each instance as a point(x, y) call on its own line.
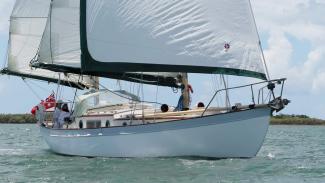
point(179, 106)
point(40, 114)
point(56, 114)
point(64, 114)
point(185, 92)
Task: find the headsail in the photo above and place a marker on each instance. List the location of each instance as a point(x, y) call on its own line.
point(60, 47)
point(60, 44)
point(198, 36)
point(27, 23)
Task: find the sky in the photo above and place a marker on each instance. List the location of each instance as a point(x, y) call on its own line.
point(293, 39)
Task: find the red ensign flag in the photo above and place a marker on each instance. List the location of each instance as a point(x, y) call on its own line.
point(48, 103)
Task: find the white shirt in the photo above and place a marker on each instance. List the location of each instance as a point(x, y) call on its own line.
point(56, 116)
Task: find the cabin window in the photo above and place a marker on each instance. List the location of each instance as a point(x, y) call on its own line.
point(108, 124)
point(93, 124)
point(81, 124)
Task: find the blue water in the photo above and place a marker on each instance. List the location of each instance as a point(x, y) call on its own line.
point(289, 154)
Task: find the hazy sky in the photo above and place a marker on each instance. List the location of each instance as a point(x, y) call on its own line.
point(293, 38)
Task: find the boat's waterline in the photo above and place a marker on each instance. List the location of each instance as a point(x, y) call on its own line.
point(231, 135)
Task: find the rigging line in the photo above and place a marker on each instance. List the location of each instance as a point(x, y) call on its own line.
point(259, 42)
point(135, 103)
point(72, 77)
point(222, 99)
point(34, 83)
point(128, 98)
point(78, 84)
point(130, 89)
point(227, 94)
point(157, 87)
point(227, 80)
point(61, 91)
point(37, 96)
point(219, 85)
point(142, 97)
point(118, 83)
point(215, 86)
point(267, 97)
point(67, 79)
point(13, 17)
point(57, 90)
point(75, 95)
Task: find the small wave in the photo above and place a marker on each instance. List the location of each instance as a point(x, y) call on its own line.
point(302, 167)
point(270, 156)
point(11, 151)
point(194, 162)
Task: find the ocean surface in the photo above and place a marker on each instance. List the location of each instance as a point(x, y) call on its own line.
point(289, 154)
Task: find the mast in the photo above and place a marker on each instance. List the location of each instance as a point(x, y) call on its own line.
point(96, 87)
point(185, 92)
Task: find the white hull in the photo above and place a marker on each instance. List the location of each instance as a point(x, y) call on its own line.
point(230, 135)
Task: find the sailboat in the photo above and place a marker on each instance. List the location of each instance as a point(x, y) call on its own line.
point(156, 42)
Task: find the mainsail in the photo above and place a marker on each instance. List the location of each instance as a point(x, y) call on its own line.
point(60, 47)
point(195, 36)
point(151, 41)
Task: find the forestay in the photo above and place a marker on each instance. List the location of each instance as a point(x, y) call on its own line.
point(27, 24)
point(60, 47)
point(199, 36)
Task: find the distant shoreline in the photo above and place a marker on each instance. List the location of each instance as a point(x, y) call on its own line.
point(295, 120)
point(275, 120)
point(17, 119)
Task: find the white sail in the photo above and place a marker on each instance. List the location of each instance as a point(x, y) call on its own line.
point(60, 44)
point(201, 36)
point(27, 24)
